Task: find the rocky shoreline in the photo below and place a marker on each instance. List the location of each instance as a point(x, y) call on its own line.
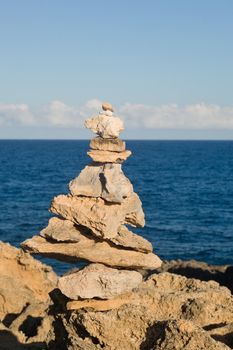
point(178, 306)
point(125, 297)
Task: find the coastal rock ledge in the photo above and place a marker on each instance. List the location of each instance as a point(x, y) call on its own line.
point(165, 311)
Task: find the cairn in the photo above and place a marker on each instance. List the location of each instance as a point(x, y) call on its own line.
point(91, 223)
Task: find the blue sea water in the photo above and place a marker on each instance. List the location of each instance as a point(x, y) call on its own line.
point(186, 188)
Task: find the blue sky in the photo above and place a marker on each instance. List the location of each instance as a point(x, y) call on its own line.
point(165, 65)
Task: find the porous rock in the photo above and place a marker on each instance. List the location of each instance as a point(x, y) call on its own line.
point(98, 281)
point(101, 218)
point(88, 249)
point(108, 157)
point(111, 145)
point(106, 181)
point(61, 230)
point(23, 280)
point(105, 126)
point(166, 312)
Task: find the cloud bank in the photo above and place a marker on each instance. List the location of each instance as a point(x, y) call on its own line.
point(168, 116)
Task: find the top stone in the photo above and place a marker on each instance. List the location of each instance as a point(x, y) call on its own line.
point(107, 107)
point(105, 124)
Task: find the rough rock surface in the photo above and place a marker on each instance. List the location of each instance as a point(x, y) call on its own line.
point(108, 157)
point(98, 281)
point(105, 126)
point(128, 239)
point(106, 181)
point(111, 145)
point(94, 251)
point(100, 217)
point(166, 312)
point(61, 230)
point(20, 273)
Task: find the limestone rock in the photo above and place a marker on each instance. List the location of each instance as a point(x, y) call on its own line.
point(61, 230)
point(146, 319)
point(126, 238)
point(111, 145)
point(98, 281)
point(106, 106)
point(183, 335)
point(100, 305)
point(105, 126)
point(101, 218)
point(88, 249)
point(108, 157)
point(106, 181)
point(23, 280)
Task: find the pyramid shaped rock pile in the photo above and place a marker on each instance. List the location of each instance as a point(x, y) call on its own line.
point(90, 222)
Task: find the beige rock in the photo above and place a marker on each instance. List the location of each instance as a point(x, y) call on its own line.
point(98, 281)
point(61, 230)
point(145, 320)
point(105, 126)
point(88, 249)
point(106, 181)
point(101, 218)
point(106, 106)
point(108, 157)
point(126, 238)
point(100, 305)
point(111, 145)
point(23, 280)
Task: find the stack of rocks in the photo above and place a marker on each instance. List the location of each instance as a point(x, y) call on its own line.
point(90, 222)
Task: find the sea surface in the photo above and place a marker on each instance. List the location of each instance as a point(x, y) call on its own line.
point(186, 188)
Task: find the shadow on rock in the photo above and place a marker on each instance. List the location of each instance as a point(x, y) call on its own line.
point(8, 341)
point(199, 270)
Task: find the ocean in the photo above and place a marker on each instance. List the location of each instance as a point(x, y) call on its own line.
point(186, 188)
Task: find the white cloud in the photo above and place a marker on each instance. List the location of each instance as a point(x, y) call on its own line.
point(172, 116)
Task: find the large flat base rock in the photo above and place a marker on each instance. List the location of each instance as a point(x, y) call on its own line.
point(98, 281)
point(94, 251)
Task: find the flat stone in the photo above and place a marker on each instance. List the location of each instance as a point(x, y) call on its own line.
point(102, 218)
point(98, 281)
point(100, 305)
point(88, 249)
point(128, 239)
point(112, 145)
point(108, 157)
point(61, 230)
point(105, 126)
point(106, 181)
point(106, 106)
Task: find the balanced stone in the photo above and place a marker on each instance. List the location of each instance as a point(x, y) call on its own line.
point(108, 157)
point(101, 218)
point(112, 145)
point(98, 281)
point(106, 106)
point(62, 230)
point(88, 249)
point(106, 181)
point(105, 126)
